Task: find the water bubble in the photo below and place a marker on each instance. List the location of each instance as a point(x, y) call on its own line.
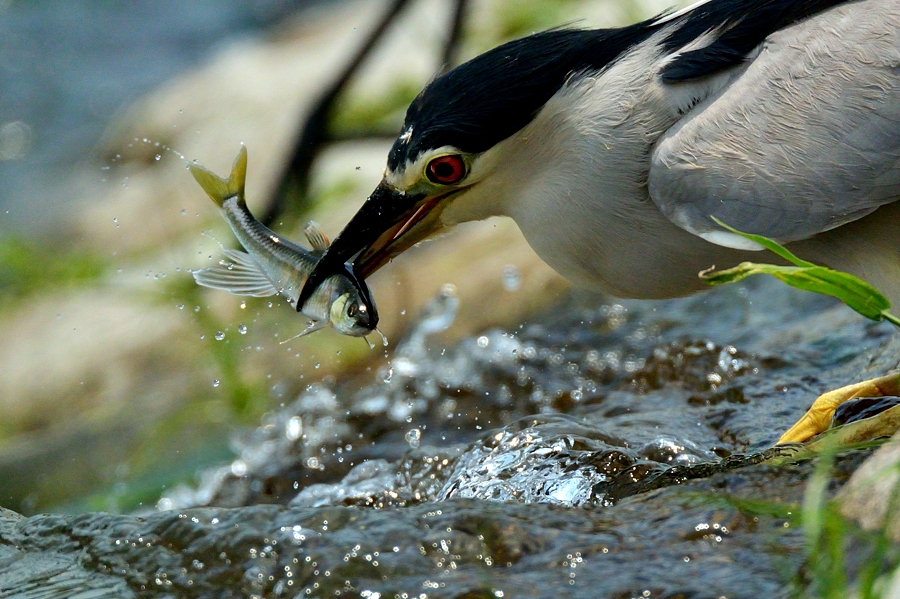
point(180, 306)
point(158, 157)
point(483, 341)
point(15, 139)
point(242, 329)
point(413, 437)
point(216, 382)
point(219, 335)
point(184, 212)
point(243, 305)
point(389, 375)
point(196, 308)
point(512, 278)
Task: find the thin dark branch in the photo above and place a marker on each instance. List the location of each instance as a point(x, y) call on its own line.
point(294, 181)
point(387, 136)
point(450, 57)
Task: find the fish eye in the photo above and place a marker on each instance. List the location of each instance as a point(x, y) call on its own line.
point(446, 170)
point(352, 309)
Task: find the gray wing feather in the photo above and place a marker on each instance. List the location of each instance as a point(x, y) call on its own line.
point(240, 276)
point(805, 139)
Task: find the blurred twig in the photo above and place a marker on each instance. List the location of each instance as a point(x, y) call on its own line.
point(293, 184)
point(295, 178)
point(450, 57)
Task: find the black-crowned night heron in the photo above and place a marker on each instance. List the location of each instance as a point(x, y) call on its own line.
point(612, 149)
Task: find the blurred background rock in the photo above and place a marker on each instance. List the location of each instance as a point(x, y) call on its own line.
point(119, 376)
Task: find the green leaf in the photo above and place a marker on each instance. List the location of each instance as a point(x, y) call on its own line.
point(767, 243)
point(853, 291)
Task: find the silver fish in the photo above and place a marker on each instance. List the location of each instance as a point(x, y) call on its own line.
point(273, 265)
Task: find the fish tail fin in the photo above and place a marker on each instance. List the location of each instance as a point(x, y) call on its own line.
point(219, 189)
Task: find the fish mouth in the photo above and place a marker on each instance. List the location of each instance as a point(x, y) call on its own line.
point(389, 222)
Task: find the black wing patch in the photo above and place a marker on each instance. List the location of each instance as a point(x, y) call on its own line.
point(744, 25)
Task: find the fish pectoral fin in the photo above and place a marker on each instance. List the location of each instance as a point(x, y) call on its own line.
point(316, 236)
point(314, 325)
point(241, 276)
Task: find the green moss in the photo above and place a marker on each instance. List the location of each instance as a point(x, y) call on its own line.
point(360, 114)
point(28, 267)
point(518, 19)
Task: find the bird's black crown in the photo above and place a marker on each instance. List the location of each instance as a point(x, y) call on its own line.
point(484, 101)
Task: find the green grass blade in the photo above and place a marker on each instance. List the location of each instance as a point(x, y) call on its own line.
point(853, 291)
point(767, 243)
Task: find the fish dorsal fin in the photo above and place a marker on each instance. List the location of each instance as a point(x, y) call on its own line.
point(219, 189)
point(316, 236)
point(240, 276)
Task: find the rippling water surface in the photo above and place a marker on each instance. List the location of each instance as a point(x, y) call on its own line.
point(607, 449)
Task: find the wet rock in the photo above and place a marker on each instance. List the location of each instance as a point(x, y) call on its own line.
point(871, 495)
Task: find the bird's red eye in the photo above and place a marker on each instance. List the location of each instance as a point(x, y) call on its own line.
point(446, 170)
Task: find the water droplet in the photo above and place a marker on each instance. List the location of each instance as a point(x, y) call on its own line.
point(413, 436)
point(293, 430)
point(242, 329)
point(215, 382)
point(243, 305)
point(158, 157)
point(219, 335)
point(483, 341)
point(389, 375)
point(512, 278)
point(184, 212)
point(196, 308)
point(180, 306)
point(317, 365)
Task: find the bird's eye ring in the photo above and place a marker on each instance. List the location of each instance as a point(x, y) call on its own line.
point(446, 170)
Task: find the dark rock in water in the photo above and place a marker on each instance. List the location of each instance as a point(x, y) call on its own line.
point(604, 450)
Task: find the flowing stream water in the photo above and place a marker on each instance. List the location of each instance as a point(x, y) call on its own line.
point(606, 449)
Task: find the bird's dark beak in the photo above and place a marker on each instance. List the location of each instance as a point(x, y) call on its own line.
point(381, 229)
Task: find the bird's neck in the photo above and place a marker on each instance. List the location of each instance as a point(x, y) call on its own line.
point(575, 181)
